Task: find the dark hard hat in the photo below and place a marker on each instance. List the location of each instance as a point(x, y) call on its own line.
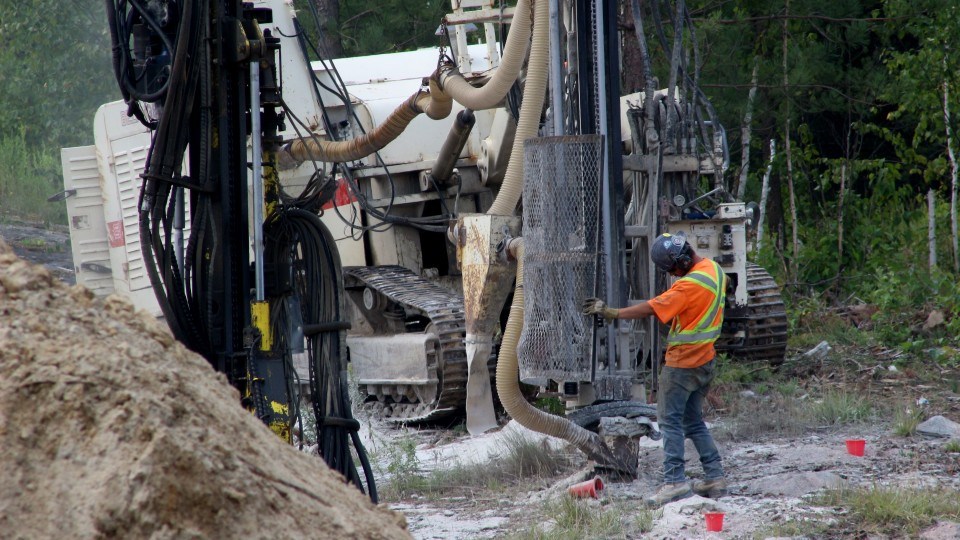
point(670, 251)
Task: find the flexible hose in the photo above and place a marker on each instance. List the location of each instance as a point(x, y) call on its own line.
point(493, 92)
point(533, 96)
point(508, 386)
point(436, 104)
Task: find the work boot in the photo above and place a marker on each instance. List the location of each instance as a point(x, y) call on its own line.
point(713, 489)
point(669, 493)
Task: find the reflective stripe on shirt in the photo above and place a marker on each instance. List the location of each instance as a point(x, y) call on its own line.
point(703, 331)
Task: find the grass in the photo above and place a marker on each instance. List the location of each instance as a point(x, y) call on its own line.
point(952, 447)
point(891, 510)
point(39, 244)
point(774, 415)
point(781, 408)
point(906, 420)
point(792, 529)
point(518, 459)
point(567, 518)
point(839, 407)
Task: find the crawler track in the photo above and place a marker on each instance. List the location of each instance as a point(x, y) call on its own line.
point(444, 309)
point(765, 319)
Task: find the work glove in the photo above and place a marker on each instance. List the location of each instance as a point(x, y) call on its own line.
point(595, 306)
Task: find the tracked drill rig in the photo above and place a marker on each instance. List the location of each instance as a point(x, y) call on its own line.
point(408, 170)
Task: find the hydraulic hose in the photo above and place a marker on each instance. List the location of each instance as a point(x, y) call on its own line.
point(533, 97)
point(493, 92)
point(435, 104)
point(508, 386)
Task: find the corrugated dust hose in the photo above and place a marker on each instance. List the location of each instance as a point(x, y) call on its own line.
point(508, 385)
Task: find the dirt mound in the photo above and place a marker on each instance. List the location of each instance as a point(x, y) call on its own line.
point(109, 428)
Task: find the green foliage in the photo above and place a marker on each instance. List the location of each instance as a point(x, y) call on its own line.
point(552, 405)
point(27, 177)
point(55, 62)
point(731, 372)
point(56, 67)
point(952, 446)
point(399, 463)
point(382, 26)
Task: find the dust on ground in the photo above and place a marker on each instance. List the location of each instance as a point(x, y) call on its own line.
point(109, 428)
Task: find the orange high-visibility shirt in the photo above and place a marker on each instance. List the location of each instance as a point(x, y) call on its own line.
point(683, 306)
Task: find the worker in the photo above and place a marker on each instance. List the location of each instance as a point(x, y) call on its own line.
point(694, 308)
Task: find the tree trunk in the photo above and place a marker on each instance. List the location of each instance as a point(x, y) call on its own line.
point(844, 167)
point(328, 15)
point(932, 228)
point(953, 173)
point(843, 186)
point(764, 192)
point(631, 76)
point(793, 197)
point(745, 132)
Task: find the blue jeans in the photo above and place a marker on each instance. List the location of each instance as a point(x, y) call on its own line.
point(680, 416)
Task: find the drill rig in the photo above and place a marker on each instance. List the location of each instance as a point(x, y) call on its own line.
point(413, 183)
point(242, 272)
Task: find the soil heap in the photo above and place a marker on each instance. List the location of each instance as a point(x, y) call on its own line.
point(110, 428)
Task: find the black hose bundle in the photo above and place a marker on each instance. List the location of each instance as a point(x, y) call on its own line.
point(300, 244)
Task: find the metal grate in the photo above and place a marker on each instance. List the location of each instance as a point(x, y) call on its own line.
point(561, 231)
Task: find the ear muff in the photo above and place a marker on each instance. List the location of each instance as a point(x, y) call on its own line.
point(684, 260)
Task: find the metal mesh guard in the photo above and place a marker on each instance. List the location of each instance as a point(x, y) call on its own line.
point(561, 232)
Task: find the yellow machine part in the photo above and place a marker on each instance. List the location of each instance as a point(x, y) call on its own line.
point(260, 317)
point(281, 428)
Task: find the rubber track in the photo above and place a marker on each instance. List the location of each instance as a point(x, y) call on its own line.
point(767, 328)
point(444, 308)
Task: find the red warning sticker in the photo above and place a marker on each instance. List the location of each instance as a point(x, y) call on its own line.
point(115, 233)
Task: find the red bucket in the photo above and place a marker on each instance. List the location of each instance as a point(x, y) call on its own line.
point(855, 447)
point(714, 521)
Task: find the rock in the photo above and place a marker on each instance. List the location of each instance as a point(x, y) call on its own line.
point(943, 530)
point(819, 352)
point(795, 484)
point(938, 426)
point(697, 505)
point(748, 394)
point(934, 320)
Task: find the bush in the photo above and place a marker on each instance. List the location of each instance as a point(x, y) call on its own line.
point(27, 177)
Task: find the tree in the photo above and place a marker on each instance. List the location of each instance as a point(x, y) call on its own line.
point(382, 26)
point(926, 89)
point(56, 67)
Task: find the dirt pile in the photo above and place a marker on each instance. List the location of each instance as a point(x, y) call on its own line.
point(109, 428)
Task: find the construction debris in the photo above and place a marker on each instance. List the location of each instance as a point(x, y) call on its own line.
point(109, 428)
